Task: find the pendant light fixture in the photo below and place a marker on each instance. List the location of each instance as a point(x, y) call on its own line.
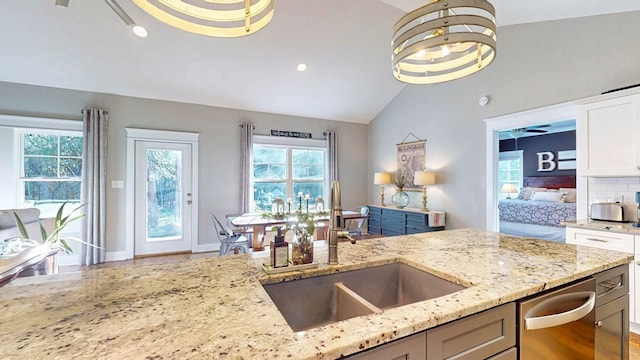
point(444, 40)
point(219, 18)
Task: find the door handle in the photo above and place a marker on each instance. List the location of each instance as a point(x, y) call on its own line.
point(532, 322)
point(189, 202)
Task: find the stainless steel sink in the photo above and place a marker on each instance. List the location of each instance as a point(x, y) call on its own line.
point(316, 301)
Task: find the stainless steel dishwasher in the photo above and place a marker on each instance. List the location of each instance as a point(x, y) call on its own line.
point(560, 324)
point(585, 320)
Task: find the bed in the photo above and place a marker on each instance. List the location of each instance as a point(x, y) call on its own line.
point(542, 207)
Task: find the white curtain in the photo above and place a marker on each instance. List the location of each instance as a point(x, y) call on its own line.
point(94, 164)
point(332, 154)
point(246, 153)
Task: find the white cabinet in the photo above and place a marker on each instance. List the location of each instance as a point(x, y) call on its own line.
point(608, 137)
point(601, 239)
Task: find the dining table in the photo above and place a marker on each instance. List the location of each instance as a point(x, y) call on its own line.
point(259, 222)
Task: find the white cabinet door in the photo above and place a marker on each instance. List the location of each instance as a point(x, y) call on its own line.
point(608, 140)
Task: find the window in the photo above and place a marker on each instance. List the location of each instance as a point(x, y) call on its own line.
point(287, 169)
point(509, 170)
point(50, 169)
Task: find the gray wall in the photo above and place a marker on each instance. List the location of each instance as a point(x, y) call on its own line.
point(536, 65)
point(219, 145)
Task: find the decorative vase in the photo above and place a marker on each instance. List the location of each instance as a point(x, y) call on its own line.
point(302, 250)
point(400, 199)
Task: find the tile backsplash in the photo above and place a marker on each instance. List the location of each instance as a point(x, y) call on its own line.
point(621, 190)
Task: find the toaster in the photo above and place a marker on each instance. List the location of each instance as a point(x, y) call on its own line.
point(608, 212)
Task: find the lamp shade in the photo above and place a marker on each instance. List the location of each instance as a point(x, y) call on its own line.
point(424, 178)
point(382, 178)
point(509, 188)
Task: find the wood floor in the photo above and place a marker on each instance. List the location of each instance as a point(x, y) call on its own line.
point(634, 347)
point(634, 339)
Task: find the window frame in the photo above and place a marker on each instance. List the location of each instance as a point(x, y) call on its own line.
point(508, 156)
point(289, 144)
point(22, 179)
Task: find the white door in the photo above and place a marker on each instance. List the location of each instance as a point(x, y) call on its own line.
point(163, 197)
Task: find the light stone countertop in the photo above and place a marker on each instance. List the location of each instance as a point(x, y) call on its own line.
point(620, 227)
point(216, 308)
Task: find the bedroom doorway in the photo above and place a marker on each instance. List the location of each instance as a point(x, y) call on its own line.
point(517, 124)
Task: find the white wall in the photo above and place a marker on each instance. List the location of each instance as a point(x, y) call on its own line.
point(8, 160)
point(219, 145)
point(537, 65)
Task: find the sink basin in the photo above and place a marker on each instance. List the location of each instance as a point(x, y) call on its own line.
point(321, 300)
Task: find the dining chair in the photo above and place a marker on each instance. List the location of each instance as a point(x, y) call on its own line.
point(354, 226)
point(228, 239)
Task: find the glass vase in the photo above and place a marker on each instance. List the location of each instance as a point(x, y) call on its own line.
point(302, 250)
point(400, 199)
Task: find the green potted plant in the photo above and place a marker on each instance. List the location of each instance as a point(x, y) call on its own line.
point(54, 239)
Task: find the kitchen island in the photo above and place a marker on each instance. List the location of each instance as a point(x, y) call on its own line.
point(217, 308)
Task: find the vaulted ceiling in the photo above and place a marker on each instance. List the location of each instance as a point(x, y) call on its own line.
point(346, 44)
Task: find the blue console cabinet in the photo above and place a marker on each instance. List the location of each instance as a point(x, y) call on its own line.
point(390, 221)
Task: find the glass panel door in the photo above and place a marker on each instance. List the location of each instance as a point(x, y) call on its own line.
point(163, 198)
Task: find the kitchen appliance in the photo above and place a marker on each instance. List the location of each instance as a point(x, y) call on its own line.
point(588, 319)
point(552, 325)
point(612, 211)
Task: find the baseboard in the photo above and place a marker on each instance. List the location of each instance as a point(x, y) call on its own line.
point(116, 256)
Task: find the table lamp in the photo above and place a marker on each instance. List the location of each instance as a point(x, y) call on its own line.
point(509, 189)
point(424, 178)
point(382, 179)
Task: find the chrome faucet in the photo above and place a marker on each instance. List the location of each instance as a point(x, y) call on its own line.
point(336, 225)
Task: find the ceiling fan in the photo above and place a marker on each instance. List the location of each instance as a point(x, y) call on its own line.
point(518, 133)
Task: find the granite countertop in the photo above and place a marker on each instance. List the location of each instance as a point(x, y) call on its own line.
point(216, 307)
point(620, 227)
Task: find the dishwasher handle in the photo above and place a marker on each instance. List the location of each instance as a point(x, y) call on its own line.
point(533, 322)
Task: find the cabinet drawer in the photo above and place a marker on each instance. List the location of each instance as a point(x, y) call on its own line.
point(373, 210)
point(373, 229)
point(392, 222)
point(390, 232)
point(417, 217)
point(396, 229)
point(600, 239)
point(396, 214)
point(477, 336)
point(511, 354)
point(611, 284)
point(375, 222)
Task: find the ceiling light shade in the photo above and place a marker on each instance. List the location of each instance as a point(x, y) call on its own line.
point(444, 40)
point(220, 18)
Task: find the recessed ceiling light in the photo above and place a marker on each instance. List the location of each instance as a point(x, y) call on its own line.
point(140, 31)
point(301, 67)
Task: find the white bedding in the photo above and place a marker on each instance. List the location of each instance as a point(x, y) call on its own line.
point(552, 233)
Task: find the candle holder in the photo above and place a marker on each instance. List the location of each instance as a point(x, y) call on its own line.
point(307, 205)
point(300, 202)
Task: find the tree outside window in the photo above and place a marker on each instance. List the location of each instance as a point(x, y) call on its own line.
point(51, 169)
point(285, 171)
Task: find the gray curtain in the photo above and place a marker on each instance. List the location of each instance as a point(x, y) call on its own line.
point(246, 154)
point(332, 154)
point(94, 165)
